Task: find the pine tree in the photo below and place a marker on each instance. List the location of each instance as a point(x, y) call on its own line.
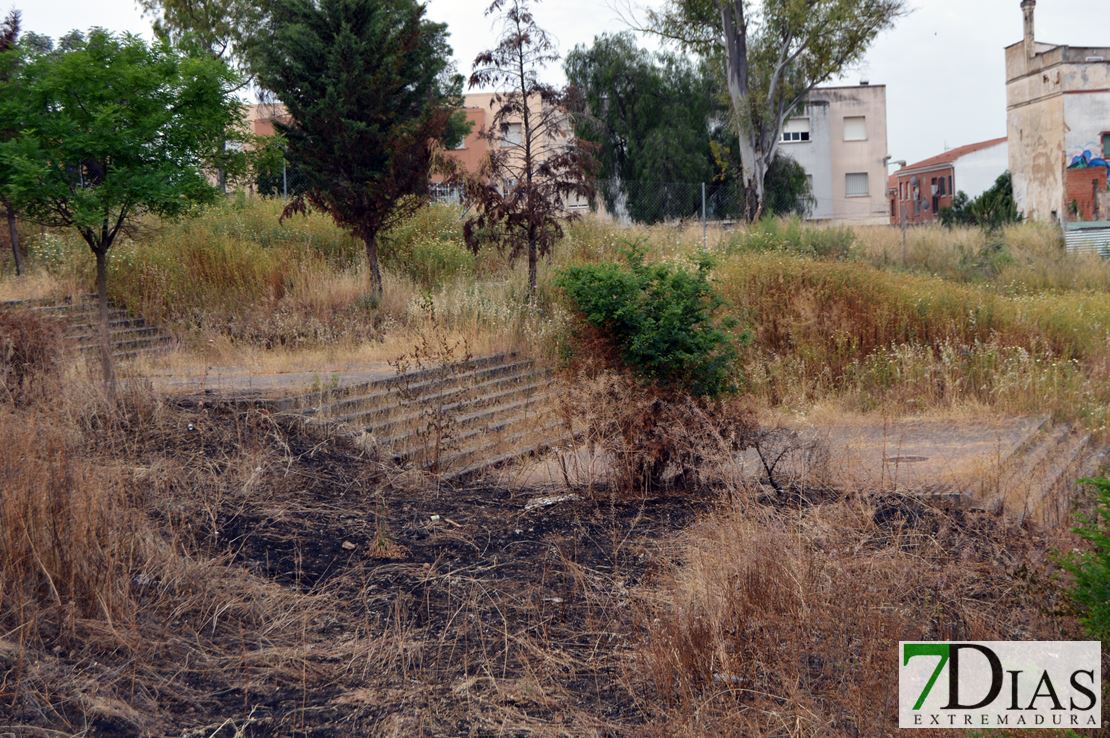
point(369, 89)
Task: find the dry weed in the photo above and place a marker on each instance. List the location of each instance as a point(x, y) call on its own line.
point(786, 623)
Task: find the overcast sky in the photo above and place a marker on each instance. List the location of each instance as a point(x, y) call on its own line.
point(942, 64)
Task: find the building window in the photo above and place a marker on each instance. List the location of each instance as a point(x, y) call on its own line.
point(950, 190)
point(512, 134)
point(857, 185)
point(855, 128)
point(796, 130)
point(1106, 146)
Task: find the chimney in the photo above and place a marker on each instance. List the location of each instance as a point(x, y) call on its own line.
point(1028, 8)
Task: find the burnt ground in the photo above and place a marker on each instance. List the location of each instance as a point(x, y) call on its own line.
point(520, 615)
point(305, 589)
point(351, 599)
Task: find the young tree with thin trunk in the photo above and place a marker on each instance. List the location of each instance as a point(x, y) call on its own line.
point(369, 88)
point(112, 130)
point(535, 165)
point(9, 36)
point(774, 54)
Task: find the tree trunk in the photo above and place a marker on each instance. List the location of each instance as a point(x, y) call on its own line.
point(13, 231)
point(752, 164)
point(105, 332)
point(375, 268)
point(533, 266)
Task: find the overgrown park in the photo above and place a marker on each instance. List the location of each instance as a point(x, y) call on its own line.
point(178, 557)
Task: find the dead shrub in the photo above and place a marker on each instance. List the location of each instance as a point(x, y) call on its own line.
point(657, 438)
point(788, 624)
point(70, 541)
point(30, 354)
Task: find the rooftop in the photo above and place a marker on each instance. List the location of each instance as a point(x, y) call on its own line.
point(948, 157)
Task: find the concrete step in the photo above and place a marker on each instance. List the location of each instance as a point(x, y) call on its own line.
point(135, 344)
point(410, 446)
point(120, 333)
point(380, 405)
point(381, 424)
point(1025, 468)
point(458, 425)
point(75, 330)
point(1052, 497)
point(310, 403)
point(518, 446)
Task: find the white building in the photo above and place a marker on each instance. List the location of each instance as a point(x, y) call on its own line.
point(840, 140)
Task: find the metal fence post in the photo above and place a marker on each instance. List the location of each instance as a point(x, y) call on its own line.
point(704, 222)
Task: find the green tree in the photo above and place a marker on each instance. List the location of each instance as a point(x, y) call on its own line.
point(650, 117)
point(661, 320)
point(787, 191)
point(224, 28)
point(659, 122)
point(992, 210)
point(370, 89)
point(113, 129)
point(773, 55)
point(9, 36)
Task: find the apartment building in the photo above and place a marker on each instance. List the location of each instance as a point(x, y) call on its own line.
point(1058, 120)
point(840, 139)
point(918, 192)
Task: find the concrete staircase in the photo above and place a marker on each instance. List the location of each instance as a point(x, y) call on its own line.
point(131, 335)
point(455, 420)
point(1039, 480)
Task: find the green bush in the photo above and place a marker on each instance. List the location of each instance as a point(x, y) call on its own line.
point(659, 319)
point(1091, 569)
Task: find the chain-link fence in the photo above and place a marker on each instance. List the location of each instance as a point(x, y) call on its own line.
point(639, 203)
point(647, 203)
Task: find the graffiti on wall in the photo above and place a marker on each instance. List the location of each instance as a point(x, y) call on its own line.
point(1089, 160)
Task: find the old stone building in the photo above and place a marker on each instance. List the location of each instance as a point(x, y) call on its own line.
point(1058, 121)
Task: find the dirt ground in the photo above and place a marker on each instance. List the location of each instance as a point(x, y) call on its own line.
point(350, 598)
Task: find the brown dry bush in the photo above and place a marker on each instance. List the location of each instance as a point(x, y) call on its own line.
point(787, 624)
point(30, 354)
point(654, 437)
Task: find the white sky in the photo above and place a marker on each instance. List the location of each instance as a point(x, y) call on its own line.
point(942, 65)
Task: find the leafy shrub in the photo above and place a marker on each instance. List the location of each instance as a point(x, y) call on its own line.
point(1091, 569)
point(992, 210)
point(659, 319)
point(30, 350)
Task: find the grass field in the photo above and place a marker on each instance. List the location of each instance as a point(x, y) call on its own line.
point(180, 569)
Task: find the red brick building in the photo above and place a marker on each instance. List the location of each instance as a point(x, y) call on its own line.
point(920, 191)
point(1086, 194)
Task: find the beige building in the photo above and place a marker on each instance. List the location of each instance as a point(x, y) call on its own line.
point(840, 139)
point(1058, 121)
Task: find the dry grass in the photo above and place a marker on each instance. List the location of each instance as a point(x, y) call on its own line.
point(778, 623)
point(836, 314)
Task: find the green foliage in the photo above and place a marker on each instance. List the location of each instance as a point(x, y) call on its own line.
point(992, 210)
point(369, 86)
point(773, 54)
point(795, 237)
point(660, 319)
point(787, 188)
point(651, 117)
point(1091, 569)
point(114, 129)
